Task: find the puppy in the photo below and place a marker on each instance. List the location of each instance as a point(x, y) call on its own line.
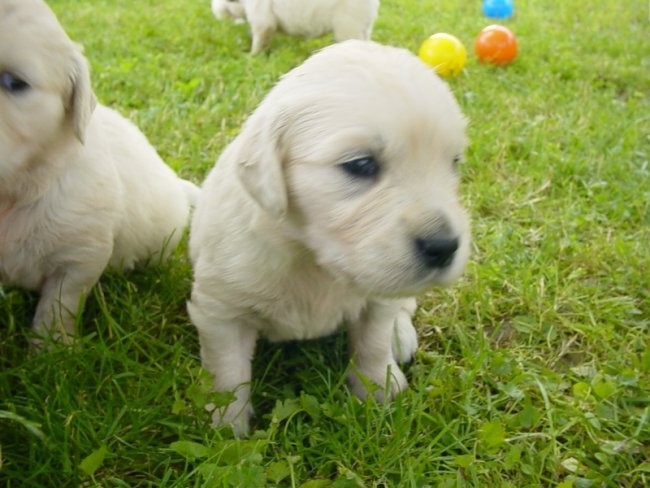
point(335, 204)
point(80, 186)
point(346, 19)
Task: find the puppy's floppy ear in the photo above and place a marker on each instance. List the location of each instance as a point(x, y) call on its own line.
point(260, 167)
point(82, 99)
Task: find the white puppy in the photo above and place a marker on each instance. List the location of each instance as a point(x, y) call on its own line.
point(346, 19)
point(80, 186)
point(336, 203)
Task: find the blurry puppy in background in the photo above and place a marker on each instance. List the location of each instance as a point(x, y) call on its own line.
point(335, 204)
point(80, 186)
point(346, 19)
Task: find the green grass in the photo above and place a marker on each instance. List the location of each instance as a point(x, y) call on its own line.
point(533, 369)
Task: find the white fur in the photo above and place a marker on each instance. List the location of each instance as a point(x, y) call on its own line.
point(346, 19)
point(286, 244)
point(80, 186)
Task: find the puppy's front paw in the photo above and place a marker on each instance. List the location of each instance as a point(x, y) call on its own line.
point(43, 337)
point(237, 414)
point(405, 340)
point(383, 382)
point(262, 35)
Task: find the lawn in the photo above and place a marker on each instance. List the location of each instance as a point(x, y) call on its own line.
point(533, 369)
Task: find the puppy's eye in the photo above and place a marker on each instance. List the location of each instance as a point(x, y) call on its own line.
point(12, 84)
point(456, 161)
point(366, 167)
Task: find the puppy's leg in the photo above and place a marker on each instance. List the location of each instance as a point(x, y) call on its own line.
point(262, 23)
point(262, 35)
point(227, 352)
point(405, 340)
point(61, 296)
point(371, 339)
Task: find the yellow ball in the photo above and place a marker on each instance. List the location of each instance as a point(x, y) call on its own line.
point(445, 53)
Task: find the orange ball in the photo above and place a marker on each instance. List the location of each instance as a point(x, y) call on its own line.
point(496, 45)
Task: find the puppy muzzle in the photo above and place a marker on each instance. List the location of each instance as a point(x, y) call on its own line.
point(436, 251)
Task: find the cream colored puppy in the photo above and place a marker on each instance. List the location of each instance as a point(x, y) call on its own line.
point(80, 186)
point(335, 205)
point(346, 19)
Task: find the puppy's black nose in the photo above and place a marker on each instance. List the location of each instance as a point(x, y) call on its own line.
point(436, 252)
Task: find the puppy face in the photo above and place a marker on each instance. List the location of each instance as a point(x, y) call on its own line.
point(45, 90)
point(368, 140)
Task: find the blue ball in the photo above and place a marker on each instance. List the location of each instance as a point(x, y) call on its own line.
point(498, 9)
